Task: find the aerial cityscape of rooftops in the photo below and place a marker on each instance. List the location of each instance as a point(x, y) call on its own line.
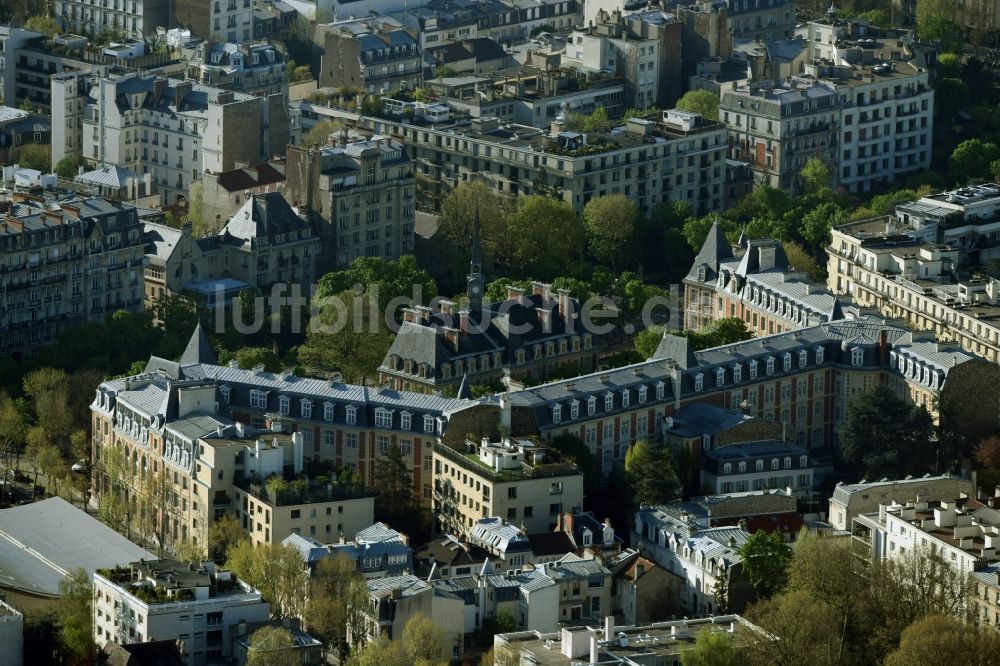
point(499, 332)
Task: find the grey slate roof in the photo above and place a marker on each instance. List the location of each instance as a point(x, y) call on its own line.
point(262, 216)
point(198, 350)
point(42, 541)
point(712, 252)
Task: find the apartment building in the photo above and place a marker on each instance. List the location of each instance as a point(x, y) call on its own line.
point(753, 281)
point(622, 645)
point(20, 128)
point(887, 118)
point(255, 68)
point(176, 415)
point(229, 20)
point(360, 195)
point(262, 244)
point(378, 551)
point(800, 381)
point(745, 466)
point(778, 127)
point(201, 608)
point(394, 600)
point(681, 158)
point(174, 130)
point(761, 20)
point(913, 265)
point(517, 479)
point(584, 588)
point(222, 193)
point(641, 590)
point(458, 349)
point(530, 597)
point(28, 59)
point(65, 263)
point(706, 557)
point(850, 500)
point(621, 48)
point(376, 54)
point(135, 19)
point(438, 22)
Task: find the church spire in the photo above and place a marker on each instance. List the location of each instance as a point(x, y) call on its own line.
point(475, 281)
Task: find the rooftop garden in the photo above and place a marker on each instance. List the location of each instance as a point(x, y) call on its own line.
point(305, 489)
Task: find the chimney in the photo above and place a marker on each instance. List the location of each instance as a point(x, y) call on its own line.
point(594, 649)
point(452, 336)
point(515, 293)
point(568, 522)
point(545, 319)
point(447, 307)
point(565, 303)
point(181, 91)
point(463, 322)
point(541, 289)
point(609, 627)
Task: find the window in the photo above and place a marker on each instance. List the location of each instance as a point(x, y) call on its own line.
point(383, 418)
point(787, 362)
point(406, 447)
point(727, 468)
point(819, 355)
point(591, 405)
point(327, 411)
point(556, 413)
point(770, 365)
point(857, 356)
point(642, 394)
point(284, 403)
point(609, 402)
point(774, 463)
point(258, 399)
point(660, 387)
point(224, 390)
point(699, 382)
point(753, 370)
point(803, 358)
point(574, 409)
point(307, 408)
point(737, 373)
point(625, 398)
point(352, 415)
point(720, 377)
point(382, 444)
point(351, 440)
point(803, 461)
point(428, 423)
point(405, 419)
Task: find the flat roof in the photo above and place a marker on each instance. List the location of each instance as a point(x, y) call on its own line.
point(42, 541)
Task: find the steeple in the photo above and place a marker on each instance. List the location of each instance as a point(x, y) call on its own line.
point(475, 280)
point(198, 349)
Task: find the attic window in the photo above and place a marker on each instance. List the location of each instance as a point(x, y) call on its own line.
point(224, 391)
point(216, 57)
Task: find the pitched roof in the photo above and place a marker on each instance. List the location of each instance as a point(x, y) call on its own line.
point(550, 543)
point(263, 216)
point(675, 347)
point(255, 175)
point(713, 250)
point(198, 350)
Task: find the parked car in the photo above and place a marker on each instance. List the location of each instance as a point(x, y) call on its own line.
point(79, 466)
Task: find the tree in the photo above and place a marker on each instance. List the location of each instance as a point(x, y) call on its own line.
point(46, 25)
point(647, 340)
point(348, 334)
point(816, 174)
point(250, 357)
point(223, 534)
point(800, 629)
point(381, 652)
point(711, 648)
point(883, 435)
point(949, 66)
point(597, 121)
point(935, 21)
point(972, 159)
point(801, 260)
point(276, 570)
point(765, 558)
point(877, 17)
point(610, 222)
point(422, 639)
point(988, 452)
point(320, 133)
point(546, 237)
point(817, 223)
point(76, 617)
point(458, 214)
point(394, 503)
point(700, 101)
point(67, 166)
point(33, 156)
point(926, 641)
point(196, 211)
point(337, 603)
point(387, 280)
point(272, 646)
point(696, 229)
point(650, 471)
point(950, 97)
point(963, 423)
point(13, 427)
point(176, 315)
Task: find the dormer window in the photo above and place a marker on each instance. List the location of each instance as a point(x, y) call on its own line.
point(774, 463)
point(383, 418)
point(770, 365)
point(819, 355)
point(258, 399)
point(737, 374)
point(405, 420)
point(720, 376)
point(428, 423)
point(743, 466)
point(727, 468)
point(857, 356)
point(556, 413)
point(625, 398)
point(787, 362)
point(591, 405)
point(284, 405)
point(660, 389)
point(753, 369)
point(803, 358)
point(642, 394)
point(574, 409)
point(351, 416)
point(699, 382)
point(224, 392)
point(609, 402)
point(327, 411)
point(307, 408)
point(803, 461)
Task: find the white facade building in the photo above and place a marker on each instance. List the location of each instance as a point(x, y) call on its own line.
point(134, 19)
point(170, 600)
point(624, 54)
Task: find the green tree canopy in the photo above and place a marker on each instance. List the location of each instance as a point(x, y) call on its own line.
point(949, 66)
point(936, 21)
point(711, 648)
point(610, 223)
point(337, 603)
point(347, 334)
point(650, 471)
point(392, 279)
point(884, 435)
point(548, 237)
point(46, 25)
point(320, 133)
point(272, 646)
point(816, 174)
point(458, 213)
point(765, 558)
point(929, 639)
point(700, 101)
point(76, 617)
point(423, 639)
point(33, 156)
point(275, 570)
point(972, 159)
